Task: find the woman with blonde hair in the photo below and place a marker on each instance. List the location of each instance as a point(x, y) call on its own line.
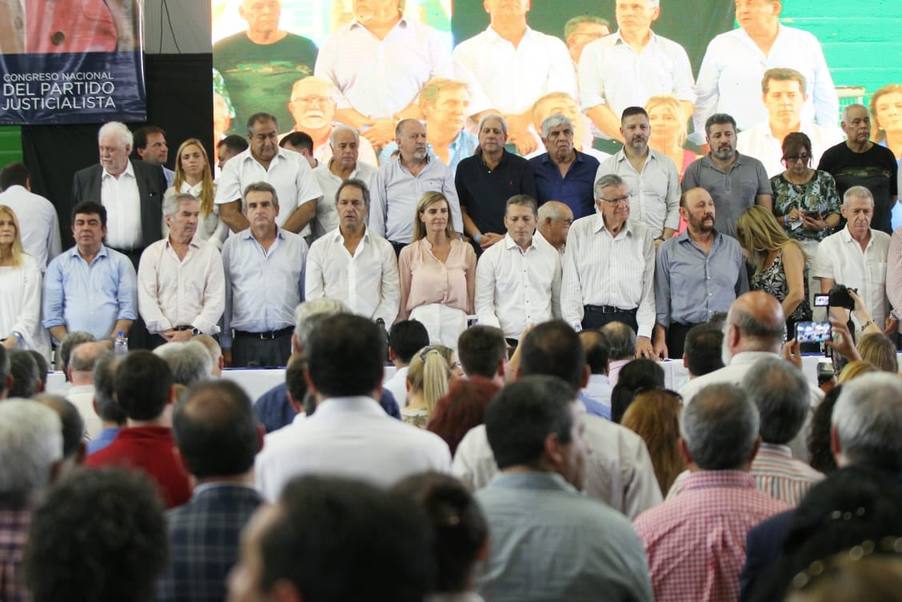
point(853, 370)
point(428, 375)
point(655, 416)
point(668, 130)
point(886, 118)
point(20, 290)
point(879, 350)
point(193, 175)
point(437, 272)
point(779, 264)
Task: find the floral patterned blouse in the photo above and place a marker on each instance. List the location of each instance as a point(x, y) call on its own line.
point(816, 196)
point(772, 279)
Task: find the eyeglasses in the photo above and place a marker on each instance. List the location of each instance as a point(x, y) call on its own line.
point(620, 199)
point(803, 158)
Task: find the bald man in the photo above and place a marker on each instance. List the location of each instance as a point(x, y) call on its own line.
point(81, 375)
point(555, 219)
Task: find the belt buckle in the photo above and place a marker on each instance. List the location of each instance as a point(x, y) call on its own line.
point(266, 336)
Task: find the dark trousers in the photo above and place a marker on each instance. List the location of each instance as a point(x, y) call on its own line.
point(676, 337)
point(254, 352)
point(595, 316)
point(397, 246)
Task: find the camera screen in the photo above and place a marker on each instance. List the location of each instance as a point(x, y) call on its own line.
point(813, 332)
point(821, 300)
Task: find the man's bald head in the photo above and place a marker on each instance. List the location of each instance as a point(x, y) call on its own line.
point(83, 359)
point(755, 322)
point(555, 218)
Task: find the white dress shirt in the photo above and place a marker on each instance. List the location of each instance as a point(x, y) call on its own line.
point(326, 215)
point(82, 397)
point(210, 228)
point(619, 471)
point(263, 288)
point(510, 79)
point(611, 72)
point(654, 192)
point(729, 80)
point(350, 437)
point(122, 200)
point(367, 281)
point(515, 288)
point(394, 198)
point(397, 384)
point(380, 77)
point(600, 269)
point(288, 172)
point(20, 304)
point(840, 258)
point(759, 142)
point(38, 223)
point(365, 152)
point(186, 292)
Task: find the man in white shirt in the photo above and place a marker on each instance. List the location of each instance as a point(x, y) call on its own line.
point(856, 257)
point(582, 30)
point(630, 66)
point(181, 286)
point(288, 172)
point(352, 264)
point(652, 178)
point(509, 66)
point(609, 267)
point(555, 219)
point(342, 164)
point(596, 395)
point(80, 372)
point(518, 281)
point(404, 339)
point(784, 98)
point(349, 434)
point(730, 76)
point(401, 183)
point(379, 63)
point(38, 223)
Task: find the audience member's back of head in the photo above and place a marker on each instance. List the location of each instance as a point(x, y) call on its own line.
point(294, 378)
point(189, 362)
point(336, 540)
point(635, 377)
point(73, 426)
point(429, 374)
point(720, 428)
point(461, 409)
point(43, 368)
point(703, 349)
point(820, 453)
point(309, 314)
point(621, 340)
point(345, 356)
point(595, 346)
point(25, 374)
point(143, 385)
point(97, 535)
point(460, 532)
point(782, 395)
point(522, 415)
point(406, 338)
point(553, 349)
point(854, 574)
point(84, 356)
point(31, 442)
point(481, 350)
point(655, 416)
point(880, 351)
point(215, 430)
point(867, 419)
point(70, 342)
point(105, 402)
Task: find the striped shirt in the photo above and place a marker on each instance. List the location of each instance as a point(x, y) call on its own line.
point(13, 535)
point(776, 473)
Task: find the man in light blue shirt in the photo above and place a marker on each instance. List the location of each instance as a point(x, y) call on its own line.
point(90, 287)
point(264, 273)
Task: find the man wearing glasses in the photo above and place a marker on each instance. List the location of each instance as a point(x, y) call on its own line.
point(609, 267)
point(784, 97)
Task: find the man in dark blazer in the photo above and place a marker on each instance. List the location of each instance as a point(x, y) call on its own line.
point(218, 438)
point(131, 191)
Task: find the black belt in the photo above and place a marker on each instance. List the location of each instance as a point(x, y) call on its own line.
point(609, 309)
point(183, 327)
point(265, 336)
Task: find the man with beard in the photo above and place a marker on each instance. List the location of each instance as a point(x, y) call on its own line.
point(651, 177)
point(735, 181)
point(697, 274)
point(563, 173)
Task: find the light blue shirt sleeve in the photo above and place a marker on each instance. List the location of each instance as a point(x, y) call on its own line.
point(53, 294)
point(127, 293)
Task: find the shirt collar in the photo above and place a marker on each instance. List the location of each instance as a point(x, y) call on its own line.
point(618, 39)
point(710, 479)
point(354, 24)
point(191, 244)
point(535, 480)
point(509, 242)
point(784, 451)
point(248, 235)
point(200, 489)
point(746, 358)
point(360, 405)
point(129, 171)
point(504, 156)
point(599, 226)
point(496, 37)
point(336, 235)
point(73, 252)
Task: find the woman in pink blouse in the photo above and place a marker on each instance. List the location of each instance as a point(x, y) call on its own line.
point(438, 273)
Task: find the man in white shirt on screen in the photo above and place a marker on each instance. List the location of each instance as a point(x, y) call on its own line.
point(351, 263)
point(509, 66)
point(40, 228)
point(630, 66)
point(735, 61)
point(518, 280)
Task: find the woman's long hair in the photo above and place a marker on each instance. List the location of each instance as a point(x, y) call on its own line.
point(206, 192)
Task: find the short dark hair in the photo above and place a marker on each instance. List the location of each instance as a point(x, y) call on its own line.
point(553, 349)
point(98, 535)
point(25, 374)
point(480, 349)
point(635, 377)
point(70, 418)
point(337, 539)
point(294, 378)
point(141, 134)
point(215, 430)
point(14, 174)
point(5, 367)
point(261, 116)
point(105, 402)
point(43, 364)
point(595, 346)
point(234, 142)
point(781, 393)
point(720, 427)
point(90, 208)
point(406, 338)
point(630, 111)
point(459, 527)
point(359, 185)
point(702, 349)
point(143, 383)
point(523, 414)
point(719, 119)
point(523, 200)
point(297, 139)
point(346, 355)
